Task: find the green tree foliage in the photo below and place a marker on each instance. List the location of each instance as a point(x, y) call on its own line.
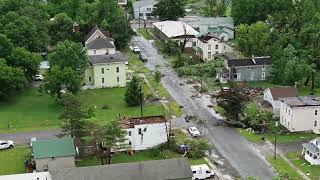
point(60, 28)
point(70, 54)
point(75, 117)
point(169, 9)
point(157, 76)
point(208, 69)
point(171, 48)
point(27, 61)
point(12, 80)
point(5, 46)
point(197, 148)
point(254, 39)
point(215, 8)
point(133, 94)
point(111, 135)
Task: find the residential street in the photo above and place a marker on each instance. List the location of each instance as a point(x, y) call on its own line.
point(24, 138)
point(239, 153)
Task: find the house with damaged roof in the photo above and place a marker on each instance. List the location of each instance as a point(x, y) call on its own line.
point(248, 69)
point(107, 66)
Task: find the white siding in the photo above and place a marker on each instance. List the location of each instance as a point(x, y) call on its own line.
point(101, 51)
point(206, 51)
point(95, 35)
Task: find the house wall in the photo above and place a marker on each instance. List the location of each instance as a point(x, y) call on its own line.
point(95, 35)
point(311, 160)
point(267, 96)
point(297, 119)
point(250, 73)
point(155, 134)
point(101, 51)
point(53, 163)
point(89, 76)
point(212, 48)
point(145, 11)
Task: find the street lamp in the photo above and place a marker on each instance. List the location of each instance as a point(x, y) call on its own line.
point(275, 140)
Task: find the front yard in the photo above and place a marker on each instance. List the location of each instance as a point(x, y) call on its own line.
point(12, 160)
point(282, 167)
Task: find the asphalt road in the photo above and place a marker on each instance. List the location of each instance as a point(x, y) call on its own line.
point(237, 150)
point(24, 138)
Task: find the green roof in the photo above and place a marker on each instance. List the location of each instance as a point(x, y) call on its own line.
point(53, 148)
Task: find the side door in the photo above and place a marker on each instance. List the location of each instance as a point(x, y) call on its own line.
point(4, 145)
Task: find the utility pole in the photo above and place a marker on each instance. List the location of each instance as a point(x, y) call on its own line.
point(275, 141)
point(139, 14)
point(141, 101)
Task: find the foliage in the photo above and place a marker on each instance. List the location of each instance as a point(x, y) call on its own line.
point(133, 95)
point(208, 69)
point(169, 9)
point(74, 117)
point(181, 60)
point(12, 80)
point(157, 76)
point(254, 39)
point(215, 8)
point(197, 148)
point(5, 46)
point(60, 28)
point(171, 48)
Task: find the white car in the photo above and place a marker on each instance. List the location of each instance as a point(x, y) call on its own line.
point(6, 144)
point(136, 50)
point(201, 172)
point(38, 77)
point(194, 131)
point(32, 140)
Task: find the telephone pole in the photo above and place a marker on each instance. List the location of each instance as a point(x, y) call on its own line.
point(141, 102)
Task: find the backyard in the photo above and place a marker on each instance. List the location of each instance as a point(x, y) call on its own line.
point(12, 160)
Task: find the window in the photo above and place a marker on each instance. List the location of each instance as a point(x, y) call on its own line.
point(130, 143)
point(208, 172)
point(139, 131)
point(129, 133)
point(316, 112)
point(94, 51)
point(263, 75)
point(263, 68)
point(90, 78)
point(145, 130)
point(217, 46)
point(118, 79)
point(209, 55)
point(238, 76)
point(117, 69)
point(194, 172)
point(102, 80)
point(224, 47)
point(45, 167)
point(102, 70)
point(315, 123)
point(87, 150)
point(252, 75)
point(148, 9)
point(209, 47)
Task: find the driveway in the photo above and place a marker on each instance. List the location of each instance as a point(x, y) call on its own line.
point(237, 150)
point(24, 138)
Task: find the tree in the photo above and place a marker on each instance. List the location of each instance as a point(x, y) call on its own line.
point(133, 95)
point(169, 9)
point(60, 28)
point(12, 80)
point(58, 79)
point(215, 7)
point(157, 76)
point(233, 104)
point(70, 54)
point(111, 135)
point(5, 46)
point(27, 61)
point(74, 117)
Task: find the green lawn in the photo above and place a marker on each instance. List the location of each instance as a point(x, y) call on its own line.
point(283, 167)
point(146, 34)
point(12, 160)
point(303, 165)
point(135, 65)
point(29, 111)
point(304, 91)
point(250, 136)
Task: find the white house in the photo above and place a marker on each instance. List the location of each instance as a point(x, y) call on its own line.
point(209, 45)
point(107, 67)
point(28, 176)
point(311, 151)
point(300, 113)
point(143, 8)
point(175, 30)
point(146, 132)
point(272, 95)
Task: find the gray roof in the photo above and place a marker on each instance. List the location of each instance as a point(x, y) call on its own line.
point(146, 170)
point(107, 58)
point(311, 147)
point(100, 43)
point(249, 61)
point(301, 101)
point(143, 3)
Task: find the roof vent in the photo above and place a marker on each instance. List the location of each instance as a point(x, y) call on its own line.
point(254, 61)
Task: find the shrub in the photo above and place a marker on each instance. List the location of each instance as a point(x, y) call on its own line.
point(157, 76)
point(171, 48)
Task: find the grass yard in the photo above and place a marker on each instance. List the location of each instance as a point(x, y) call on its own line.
point(29, 111)
point(135, 65)
point(283, 167)
point(303, 165)
point(252, 137)
point(146, 33)
point(12, 160)
point(304, 91)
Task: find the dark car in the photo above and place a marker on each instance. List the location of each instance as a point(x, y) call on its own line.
point(143, 58)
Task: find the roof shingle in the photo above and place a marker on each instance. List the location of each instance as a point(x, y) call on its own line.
point(249, 61)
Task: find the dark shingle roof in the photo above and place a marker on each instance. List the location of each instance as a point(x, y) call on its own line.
point(100, 43)
point(107, 58)
point(311, 147)
point(53, 148)
point(146, 170)
point(90, 33)
point(131, 122)
point(249, 61)
point(301, 101)
point(282, 92)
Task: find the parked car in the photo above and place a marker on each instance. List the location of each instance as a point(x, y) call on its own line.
point(38, 77)
point(136, 50)
point(201, 172)
point(143, 58)
point(194, 131)
point(6, 144)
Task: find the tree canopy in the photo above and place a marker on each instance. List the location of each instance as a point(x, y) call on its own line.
point(169, 9)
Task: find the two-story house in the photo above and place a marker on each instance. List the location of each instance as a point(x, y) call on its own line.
point(209, 45)
point(300, 113)
point(107, 67)
point(146, 132)
point(143, 8)
point(311, 151)
point(249, 69)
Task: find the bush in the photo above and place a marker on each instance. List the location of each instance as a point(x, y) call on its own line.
point(204, 70)
point(105, 106)
point(133, 95)
point(157, 76)
point(171, 48)
point(197, 148)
